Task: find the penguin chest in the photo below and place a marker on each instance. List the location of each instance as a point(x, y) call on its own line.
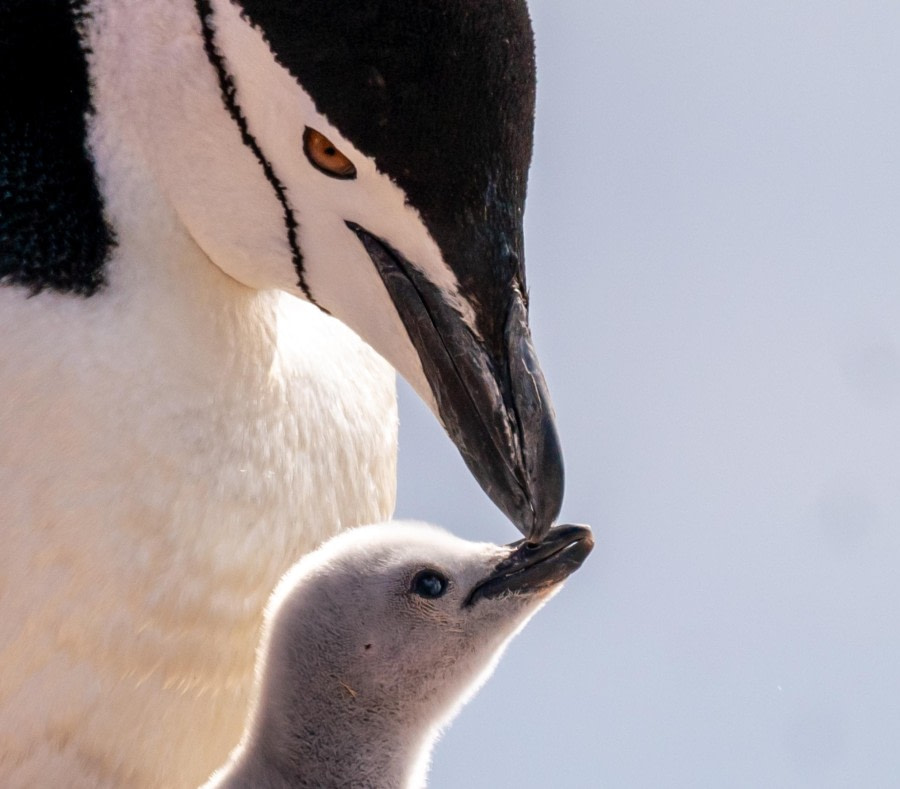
point(149, 512)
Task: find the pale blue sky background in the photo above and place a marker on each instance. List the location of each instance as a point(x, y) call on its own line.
point(713, 246)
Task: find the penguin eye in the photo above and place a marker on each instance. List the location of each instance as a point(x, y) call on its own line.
point(325, 157)
point(429, 584)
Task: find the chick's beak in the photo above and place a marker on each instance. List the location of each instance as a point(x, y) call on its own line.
point(529, 568)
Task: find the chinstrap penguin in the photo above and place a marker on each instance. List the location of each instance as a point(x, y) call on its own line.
point(224, 224)
point(373, 643)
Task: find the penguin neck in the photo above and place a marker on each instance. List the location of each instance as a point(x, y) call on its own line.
point(192, 311)
point(189, 318)
point(174, 310)
point(334, 736)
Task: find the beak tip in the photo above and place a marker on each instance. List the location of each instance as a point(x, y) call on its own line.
point(547, 485)
point(542, 468)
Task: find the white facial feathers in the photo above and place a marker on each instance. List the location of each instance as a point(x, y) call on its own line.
point(337, 270)
point(218, 122)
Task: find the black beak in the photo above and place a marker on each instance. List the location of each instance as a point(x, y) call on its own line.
point(496, 411)
point(530, 568)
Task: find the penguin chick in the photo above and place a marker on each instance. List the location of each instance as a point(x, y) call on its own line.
point(371, 645)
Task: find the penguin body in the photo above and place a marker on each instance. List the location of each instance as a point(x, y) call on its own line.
point(163, 437)
point(201, 317)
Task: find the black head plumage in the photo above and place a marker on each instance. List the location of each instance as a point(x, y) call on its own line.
point(441, 94)
point(52, 229)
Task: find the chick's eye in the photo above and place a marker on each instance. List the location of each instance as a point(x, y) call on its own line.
point(430, 584)
point(325, 157)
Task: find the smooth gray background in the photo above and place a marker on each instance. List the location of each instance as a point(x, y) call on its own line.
point(714, 262)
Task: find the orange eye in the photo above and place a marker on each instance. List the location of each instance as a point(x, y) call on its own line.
point(325, 157)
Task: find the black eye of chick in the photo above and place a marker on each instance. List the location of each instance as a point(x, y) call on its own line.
point(429, 584)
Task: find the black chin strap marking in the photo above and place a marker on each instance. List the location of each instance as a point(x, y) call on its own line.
point(229, 97)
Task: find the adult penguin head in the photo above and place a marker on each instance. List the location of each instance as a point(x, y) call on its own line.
point(375, 164)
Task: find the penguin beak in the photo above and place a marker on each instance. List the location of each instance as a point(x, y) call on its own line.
point(496, 410)
point(531, 568)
